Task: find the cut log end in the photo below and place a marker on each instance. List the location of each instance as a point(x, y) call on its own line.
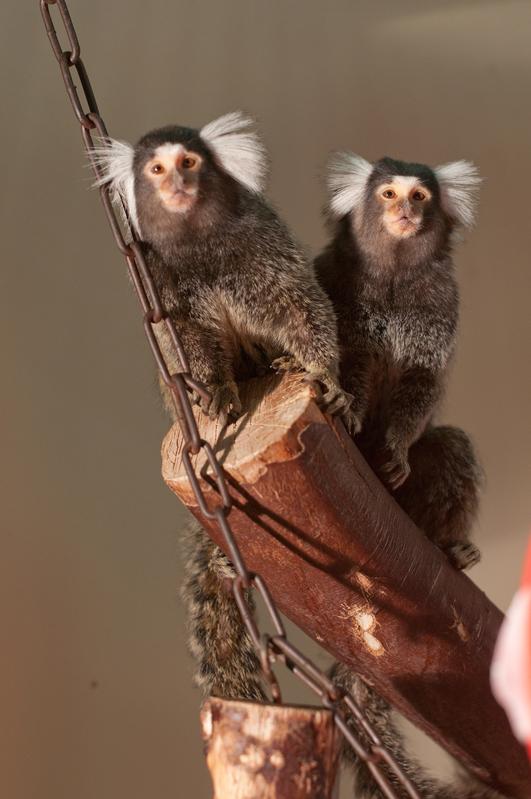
point(259, 751)
point(275, 410)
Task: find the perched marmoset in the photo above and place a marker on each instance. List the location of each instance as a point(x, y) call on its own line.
point(240, 294)
point(238, 288)
point(390, 275)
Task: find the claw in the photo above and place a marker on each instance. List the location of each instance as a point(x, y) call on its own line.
point(399, 479)
point(396, 470)
point(462, 554)
point(333, 400)
point(353, 422)
point(224, 403)
point(336, 402)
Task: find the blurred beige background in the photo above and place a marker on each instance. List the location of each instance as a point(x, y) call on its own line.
point(95, 691)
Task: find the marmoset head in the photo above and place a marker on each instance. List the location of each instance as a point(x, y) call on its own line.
point(400, 201)
point(178, 178)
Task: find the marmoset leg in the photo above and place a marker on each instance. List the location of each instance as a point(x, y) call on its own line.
point(441, 494)
point(411, 404)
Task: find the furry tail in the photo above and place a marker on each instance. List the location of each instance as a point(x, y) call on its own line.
point(381, 717)
point(226, 663)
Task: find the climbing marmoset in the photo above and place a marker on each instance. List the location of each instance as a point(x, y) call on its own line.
point(240, 294)
point(390, 275)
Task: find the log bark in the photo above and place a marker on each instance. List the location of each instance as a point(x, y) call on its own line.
point(258, 751)
point(347, 565)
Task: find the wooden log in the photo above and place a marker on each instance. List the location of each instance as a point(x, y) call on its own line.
point(256, 751)
point(347, 565)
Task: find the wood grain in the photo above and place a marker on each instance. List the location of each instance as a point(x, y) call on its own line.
point(345, 563)
point(258, 751)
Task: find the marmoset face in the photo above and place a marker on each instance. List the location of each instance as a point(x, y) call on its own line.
point(173, 171)
point(177, 178)
point(171, 167)
point(404, 201)
point(404, 197)
point(409, 209)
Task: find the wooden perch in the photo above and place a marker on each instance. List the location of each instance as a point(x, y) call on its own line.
point(269, 751)
point(346, 564)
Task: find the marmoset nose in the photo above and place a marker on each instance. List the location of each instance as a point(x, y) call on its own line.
point(177, 182)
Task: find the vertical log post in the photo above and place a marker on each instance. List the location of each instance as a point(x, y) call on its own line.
point(258, 751)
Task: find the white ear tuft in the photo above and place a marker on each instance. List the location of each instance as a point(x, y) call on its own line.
point(115, 160)
point(238, 150)
point(348, 175)
point(459, 182)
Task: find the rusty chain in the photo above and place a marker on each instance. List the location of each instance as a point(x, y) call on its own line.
point(270, 648)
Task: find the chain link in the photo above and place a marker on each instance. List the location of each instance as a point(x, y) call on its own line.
point(270, 648)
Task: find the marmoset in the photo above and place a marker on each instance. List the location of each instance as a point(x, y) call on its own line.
point(238, 288)
point(241, 294)
point(390, 275)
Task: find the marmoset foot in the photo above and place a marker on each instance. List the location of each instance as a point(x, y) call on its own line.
point(353, 421)
point(331, 399)
point(225, 402)
point(396, 470)
point(462, 554)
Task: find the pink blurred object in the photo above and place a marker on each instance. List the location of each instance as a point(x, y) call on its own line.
point(511, 665)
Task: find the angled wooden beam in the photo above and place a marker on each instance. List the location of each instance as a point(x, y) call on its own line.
point(346, 564)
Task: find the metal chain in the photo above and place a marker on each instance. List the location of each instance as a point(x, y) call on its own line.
point(270, 648)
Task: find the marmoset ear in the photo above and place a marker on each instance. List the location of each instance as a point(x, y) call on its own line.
point(115, 160)
point(347, 178)
point(238, 150)
point(459, 183)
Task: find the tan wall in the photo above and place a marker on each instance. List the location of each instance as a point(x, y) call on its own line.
point(95, 690)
